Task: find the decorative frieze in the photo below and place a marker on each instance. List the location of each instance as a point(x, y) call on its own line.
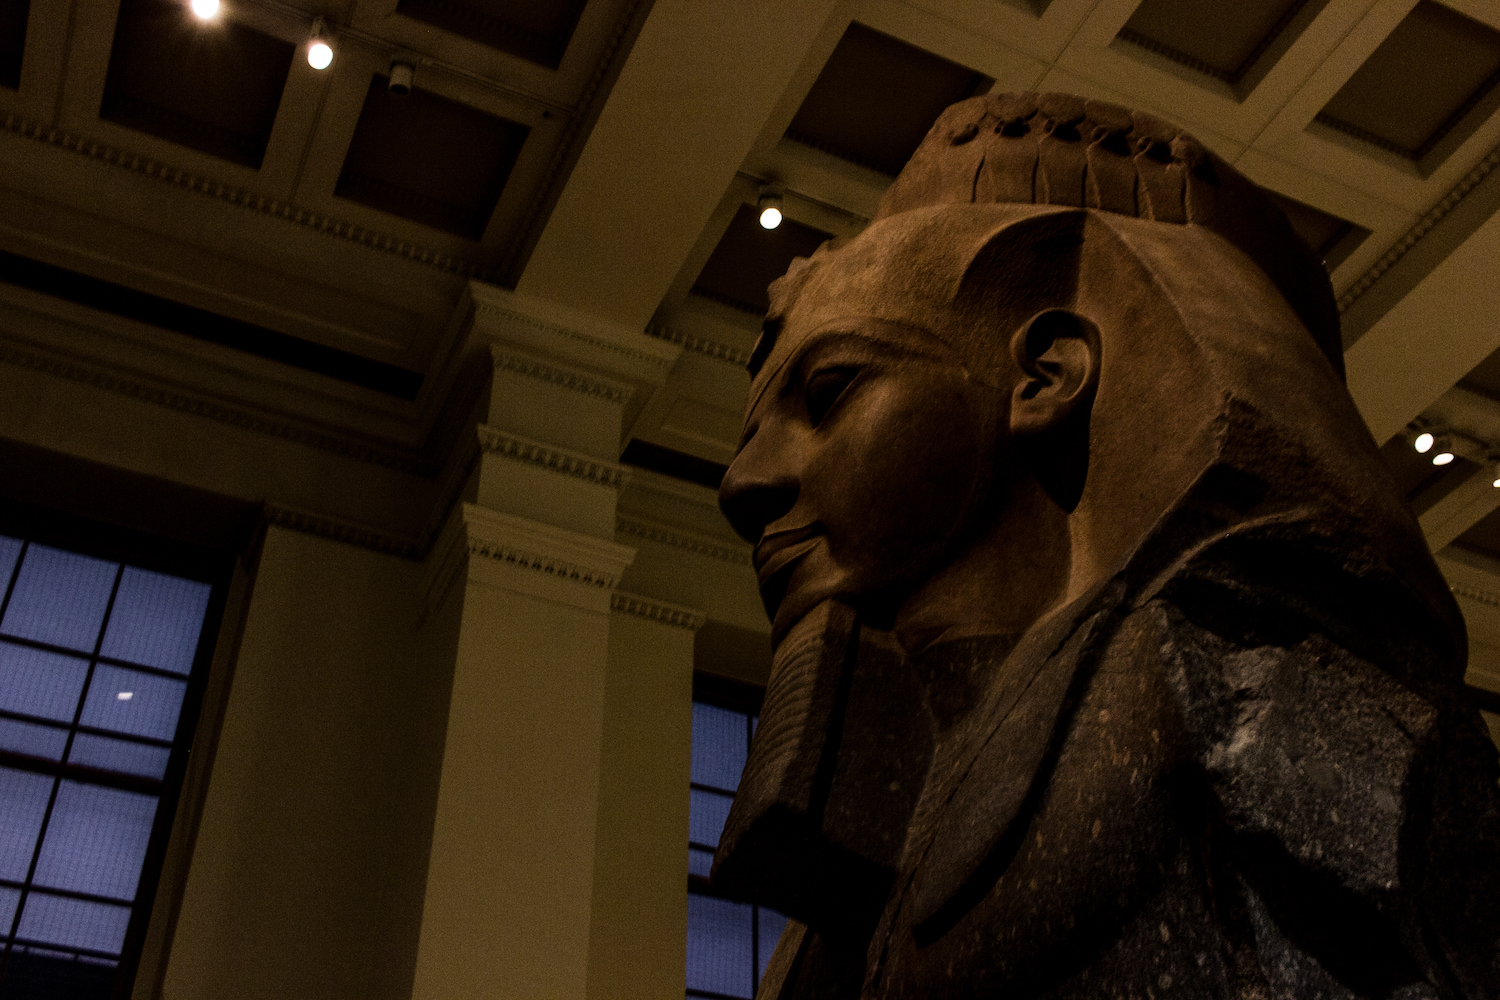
point(344, 532)
point(658, 611)
point(554, 551)
point(701, 345)
point(700, 545)
point(571, 379)
point(494, 441)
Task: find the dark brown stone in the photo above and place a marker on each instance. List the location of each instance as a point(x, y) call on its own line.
point(1109, 663)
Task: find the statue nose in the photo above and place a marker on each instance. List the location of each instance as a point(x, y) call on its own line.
point(753, 494)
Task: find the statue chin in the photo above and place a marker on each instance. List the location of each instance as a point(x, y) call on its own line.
point(837, 764)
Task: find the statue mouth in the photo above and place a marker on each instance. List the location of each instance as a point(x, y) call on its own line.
point(777, 551)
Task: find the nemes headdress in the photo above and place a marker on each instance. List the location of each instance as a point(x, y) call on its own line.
point(1059, 149)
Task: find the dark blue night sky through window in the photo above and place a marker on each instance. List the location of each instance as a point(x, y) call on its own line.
point(95, 662)
point(728, 943)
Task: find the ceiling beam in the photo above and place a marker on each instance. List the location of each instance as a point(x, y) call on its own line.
point(694, 95)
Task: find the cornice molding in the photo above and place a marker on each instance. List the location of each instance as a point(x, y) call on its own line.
point(557, 552)
point(173, 399)
point(1475, 594)
point(658, 611)
point(251, 201)
point(1419, 230)
point(700, 345)
point(495, 303)
point(529, 367)
point(700, 545)
point(345, 532)
point(494, 441)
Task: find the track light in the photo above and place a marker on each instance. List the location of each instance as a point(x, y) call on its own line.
point(319, 52)
point(1441, 448)
point(205, 10)
point(1424, 442)
point(399, 83)
point(769, 204)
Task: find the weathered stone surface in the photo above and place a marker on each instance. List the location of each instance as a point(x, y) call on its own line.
point(1110, 663)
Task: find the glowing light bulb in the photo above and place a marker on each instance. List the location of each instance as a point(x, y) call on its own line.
point(770, 217)
point(206, 10)
point(1442, 458)
point(319, 55)
point(1424, 443)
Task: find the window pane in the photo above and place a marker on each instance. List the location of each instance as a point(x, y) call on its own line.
point(73, 923)
point(36, 682)
point(718, 951)
point(156, 620)
point(8, 900)
point(700, 862)
point(23, 802)
point(9, 549)
point(150, 706)
point(771, 924)
point(119, 755)
point(719, 745)
point(707, 812)
point(32, 738)
point(96, 841)
point(59, 598)
point(39, 973)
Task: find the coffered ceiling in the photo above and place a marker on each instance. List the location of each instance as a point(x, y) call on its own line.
point(195, 203)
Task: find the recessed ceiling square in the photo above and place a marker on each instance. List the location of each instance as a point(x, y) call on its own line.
point(1222, 40)
point(1421, 84)
point(1333, 239)
point(748, 258)
point(13, 15)
point(429, 159)
point(876, 98)
point(211, 86)
point(535, 30)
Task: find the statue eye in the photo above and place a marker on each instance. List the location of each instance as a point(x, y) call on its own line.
point(824, 389)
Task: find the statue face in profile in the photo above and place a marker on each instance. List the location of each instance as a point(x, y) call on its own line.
point(1107, 661)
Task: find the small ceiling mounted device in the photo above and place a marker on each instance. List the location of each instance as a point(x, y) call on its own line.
point(400, 80)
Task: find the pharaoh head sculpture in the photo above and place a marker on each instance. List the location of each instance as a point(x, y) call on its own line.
point(1061, 438)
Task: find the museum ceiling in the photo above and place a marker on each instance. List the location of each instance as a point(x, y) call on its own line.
point(222, 215)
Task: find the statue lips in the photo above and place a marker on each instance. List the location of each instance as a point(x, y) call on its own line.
point(778, 551)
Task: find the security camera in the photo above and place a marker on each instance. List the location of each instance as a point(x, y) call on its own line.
point(399, 83)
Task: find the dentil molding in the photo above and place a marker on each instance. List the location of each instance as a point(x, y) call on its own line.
point(494, 441)
point(658, 611)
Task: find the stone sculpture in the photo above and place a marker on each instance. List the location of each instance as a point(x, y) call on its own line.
point(1109, 662)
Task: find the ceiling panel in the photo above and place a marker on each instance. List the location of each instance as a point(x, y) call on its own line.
point(1333, 239)
point(1421, 84)
point(535, 30)
point(748, 258)
point(876, 97)
point(1484, 537)
point(1222, 40)
point(211, 86)
point(429, 159)
point(13, 16)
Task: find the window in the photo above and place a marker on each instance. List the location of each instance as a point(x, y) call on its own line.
point(101, 670)
point(728, 943)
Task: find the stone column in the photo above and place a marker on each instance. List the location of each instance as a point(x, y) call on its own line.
point(530, 552)
point(639, 915)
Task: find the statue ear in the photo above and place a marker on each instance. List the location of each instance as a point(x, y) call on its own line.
point(1058, 353)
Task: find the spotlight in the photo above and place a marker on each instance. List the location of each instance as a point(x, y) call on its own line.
point(319, 52)
point(1443, 457)
point(1424, 443)
point(769, 204)
point(206, 10)
point(399, 84)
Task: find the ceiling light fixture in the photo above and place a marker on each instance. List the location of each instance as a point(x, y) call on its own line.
point(206, 10)
point(319, 52)
point(1424, 442)
point(769, 204)
point(1441, 449)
